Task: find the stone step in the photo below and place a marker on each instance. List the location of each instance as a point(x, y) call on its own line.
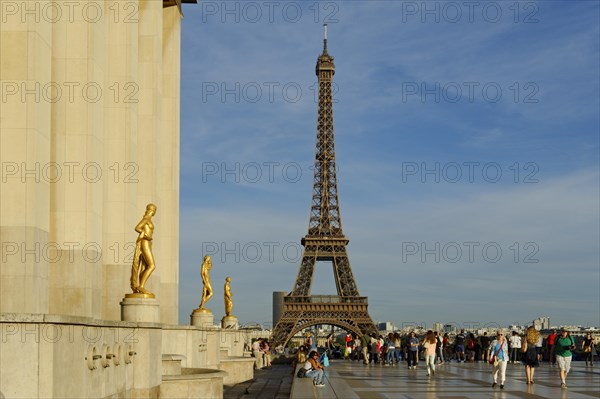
point(171, 364)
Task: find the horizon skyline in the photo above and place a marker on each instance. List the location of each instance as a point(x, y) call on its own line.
point(467, 155)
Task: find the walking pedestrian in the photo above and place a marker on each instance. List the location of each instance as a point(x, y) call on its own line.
point(266, 349)
point(374, 358)
point(459, 346)
point(499, 359)
point(413, 350)
point(439, 348)
point(398, 346)
point(515, 347)
point(446, 347)
point(485, 346)
point(587, 346)
point(563, 346)
point(550, 346)
point(471, 347)
point(530, 355)
point(356, 349)
point(329, 347)
point(257, 353)
point(538, 347)
point(430, 345)
point(390, 350)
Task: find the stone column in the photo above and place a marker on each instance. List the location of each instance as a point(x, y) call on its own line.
point(120, 209)
point(77, 141)
point(25, 151)
point(149, 61)
point(167, 167)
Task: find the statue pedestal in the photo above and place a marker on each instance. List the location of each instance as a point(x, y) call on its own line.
point(230, 322)
point(202, 318)
point(138, 307)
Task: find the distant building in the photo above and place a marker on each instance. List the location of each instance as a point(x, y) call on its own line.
point(386, 326)
point(277, 306)
point(449, 328)
point(542, 323)
point(515, 327)
point(437, 326)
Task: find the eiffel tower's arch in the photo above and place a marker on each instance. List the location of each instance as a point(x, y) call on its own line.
point(345, 325)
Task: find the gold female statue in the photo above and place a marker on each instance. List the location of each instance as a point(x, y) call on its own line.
point(227, 296)
point(143, 259)
point(207, 291)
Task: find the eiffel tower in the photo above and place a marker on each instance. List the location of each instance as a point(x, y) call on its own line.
point(325, 240)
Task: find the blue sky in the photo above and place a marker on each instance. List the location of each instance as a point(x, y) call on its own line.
point(467, 143)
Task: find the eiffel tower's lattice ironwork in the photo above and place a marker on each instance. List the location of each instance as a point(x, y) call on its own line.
point(325, 240)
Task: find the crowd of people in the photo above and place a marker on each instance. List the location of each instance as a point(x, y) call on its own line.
point(499, 350)
point(529, 349)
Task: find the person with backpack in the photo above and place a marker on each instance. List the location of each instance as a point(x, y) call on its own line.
point(459, 346)
point(471, 348)
point(314, 369)
point(563, 345)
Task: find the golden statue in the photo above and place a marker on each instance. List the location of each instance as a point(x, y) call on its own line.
point(207, 291)
point(227, 296)
point(143, 259)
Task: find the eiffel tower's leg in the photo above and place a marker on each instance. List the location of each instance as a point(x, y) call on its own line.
point(344, 278)
point(281, 332)
point(289, 319)
point(305, 273)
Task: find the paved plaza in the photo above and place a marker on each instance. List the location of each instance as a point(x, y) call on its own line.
point(347, 379)
point(275, 383)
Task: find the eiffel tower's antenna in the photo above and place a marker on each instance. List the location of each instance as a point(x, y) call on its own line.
point(324, 38)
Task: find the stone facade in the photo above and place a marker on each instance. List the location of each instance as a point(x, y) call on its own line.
point(54, 356)
point(89, 136)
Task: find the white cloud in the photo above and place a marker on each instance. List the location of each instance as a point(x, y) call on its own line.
point(555, 221)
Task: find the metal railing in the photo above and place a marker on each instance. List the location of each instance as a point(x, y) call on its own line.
point(326, 299)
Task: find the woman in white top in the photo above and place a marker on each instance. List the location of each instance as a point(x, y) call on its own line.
point(429, 345)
